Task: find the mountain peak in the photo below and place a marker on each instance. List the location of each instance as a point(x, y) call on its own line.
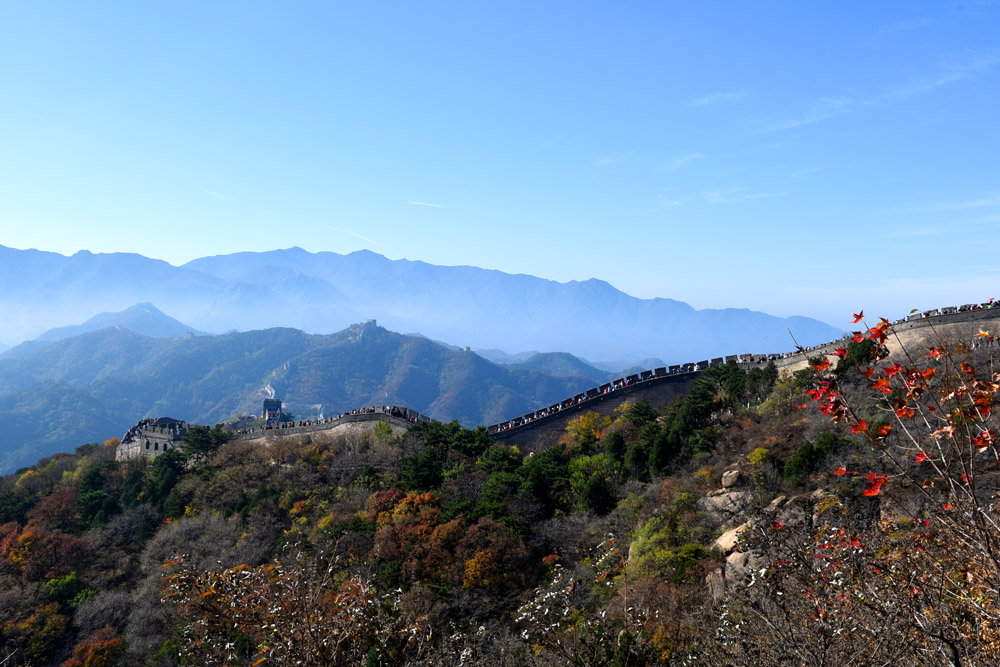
point(142, 318)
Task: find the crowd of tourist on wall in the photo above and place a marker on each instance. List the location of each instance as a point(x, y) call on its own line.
point(411, 416)
point(133, 433)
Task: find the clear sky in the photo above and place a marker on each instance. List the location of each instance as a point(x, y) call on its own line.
point(791, 157)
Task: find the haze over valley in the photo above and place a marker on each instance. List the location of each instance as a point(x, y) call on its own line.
point(325, 292)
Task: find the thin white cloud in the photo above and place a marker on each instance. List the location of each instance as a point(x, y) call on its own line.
point(718, 98)
point(359, 236)
point(819, 110)
point(950, 73)
point(424, 203)
point(605, 160)
point(737, 195)
point(828, 107)
point(213, 193)
point(674, 165)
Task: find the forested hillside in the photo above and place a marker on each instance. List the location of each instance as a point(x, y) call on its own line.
point(738, 525)
point(97, 384)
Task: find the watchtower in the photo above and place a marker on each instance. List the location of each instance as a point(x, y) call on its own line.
point(272, 410)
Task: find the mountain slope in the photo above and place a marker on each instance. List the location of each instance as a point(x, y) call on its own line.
point(109, 379)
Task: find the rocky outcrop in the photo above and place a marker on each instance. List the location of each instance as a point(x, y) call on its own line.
point(805, 511)
point(724, 505)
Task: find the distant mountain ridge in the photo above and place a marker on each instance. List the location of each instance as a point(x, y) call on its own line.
point(325, 291)
point(563, 364)
point(142, 318)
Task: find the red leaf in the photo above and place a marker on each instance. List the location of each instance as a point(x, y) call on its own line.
point(983, 439)
point(860, 427)
point(858, 317)
point(921, 457)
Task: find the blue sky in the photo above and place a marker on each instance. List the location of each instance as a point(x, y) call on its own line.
point(790, 157)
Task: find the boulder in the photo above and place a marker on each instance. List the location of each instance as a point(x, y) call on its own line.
point(730, 478)
point(728, 541)
point(722, 506)
point(737, 566)
point(716, 582)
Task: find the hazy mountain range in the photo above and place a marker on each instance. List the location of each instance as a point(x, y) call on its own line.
point(324, 292)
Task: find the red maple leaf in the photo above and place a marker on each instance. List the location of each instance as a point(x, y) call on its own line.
point(875, 483)
point(858, 317)
point(921, 457)
point(882, 385)
point(892, 370)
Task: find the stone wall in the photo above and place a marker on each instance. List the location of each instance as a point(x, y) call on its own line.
point(344, 425)
point(544, 432)
point(917, 331)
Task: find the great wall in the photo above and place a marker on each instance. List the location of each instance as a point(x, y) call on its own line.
point(543, 427)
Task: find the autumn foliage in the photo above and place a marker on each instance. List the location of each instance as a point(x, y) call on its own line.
point(902, 564)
